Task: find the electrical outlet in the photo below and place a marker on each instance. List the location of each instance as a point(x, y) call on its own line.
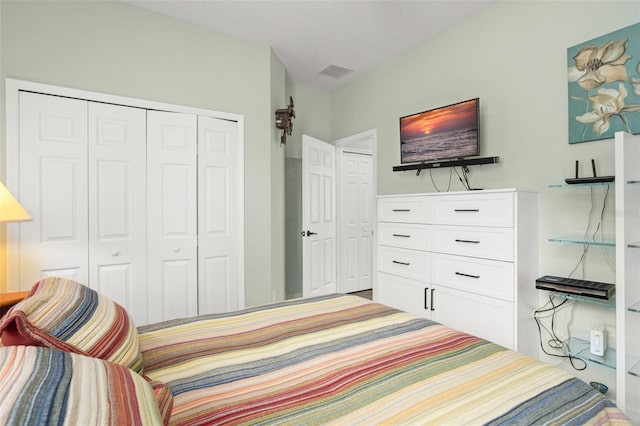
point(598, 340)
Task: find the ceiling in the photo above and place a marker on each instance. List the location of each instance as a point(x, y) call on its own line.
point(309, 36)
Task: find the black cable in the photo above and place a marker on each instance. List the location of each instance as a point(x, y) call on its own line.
point(465, 181)
point(586, 246)
point(434, 183)
point(555, 342)
point(604, 204)
point(465, 174)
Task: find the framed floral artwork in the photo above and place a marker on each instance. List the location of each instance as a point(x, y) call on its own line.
point(604, 86)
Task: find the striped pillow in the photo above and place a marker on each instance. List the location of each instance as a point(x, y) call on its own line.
point(164, 398)
point(50, 387)
point(63, 314)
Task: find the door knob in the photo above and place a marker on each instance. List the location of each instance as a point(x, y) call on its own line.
point(308, 233)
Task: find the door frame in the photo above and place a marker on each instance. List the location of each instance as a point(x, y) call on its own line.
point(365, 142)
point(13, 87)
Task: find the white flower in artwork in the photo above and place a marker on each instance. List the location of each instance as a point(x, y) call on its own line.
point(596, 65)
point(608, 103)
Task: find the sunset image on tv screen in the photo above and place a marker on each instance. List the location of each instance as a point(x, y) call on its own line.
point(441, 133)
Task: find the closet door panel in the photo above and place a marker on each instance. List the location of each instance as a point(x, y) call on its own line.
point(172, 215)
point(117, 206)
point(176, 302)
point(53, 188)
point(217, 215)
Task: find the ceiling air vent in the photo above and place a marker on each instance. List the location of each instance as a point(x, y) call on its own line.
point(335, 71)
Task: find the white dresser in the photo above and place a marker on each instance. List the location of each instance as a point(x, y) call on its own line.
point(465, 259)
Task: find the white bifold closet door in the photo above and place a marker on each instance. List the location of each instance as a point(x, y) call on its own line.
point(172, 215)
point(116, 210)
point(218, 222)
point(139, 204)
point(53, 188)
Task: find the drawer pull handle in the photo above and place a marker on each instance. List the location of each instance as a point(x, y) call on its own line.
point(426, 289)
point(401, 263)
point(402, 235)
point(468, 241)
point(433, 307)
point(401, 210)
point(468, 275)
point(467, 210)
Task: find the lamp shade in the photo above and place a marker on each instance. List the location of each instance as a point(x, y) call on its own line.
point(10, 208)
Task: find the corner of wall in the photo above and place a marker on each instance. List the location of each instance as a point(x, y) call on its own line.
point(312, 116)
point(3, 233)
point(278, 100)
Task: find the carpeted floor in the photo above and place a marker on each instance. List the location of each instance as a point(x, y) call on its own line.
point(367, 294)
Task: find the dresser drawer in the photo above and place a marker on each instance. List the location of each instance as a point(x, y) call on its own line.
point(405, 294)
point(405, 209)
point(479, 276)
point(485, 317)
point(417, 237)
point(407, 263)
point(488, 243)
point(476, 210)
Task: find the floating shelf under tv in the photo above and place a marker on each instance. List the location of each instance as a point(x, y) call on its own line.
point(447, 163)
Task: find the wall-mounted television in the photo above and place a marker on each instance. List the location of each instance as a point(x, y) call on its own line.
point(444, 133)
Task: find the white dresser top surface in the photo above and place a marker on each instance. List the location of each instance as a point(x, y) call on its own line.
point(479, 191)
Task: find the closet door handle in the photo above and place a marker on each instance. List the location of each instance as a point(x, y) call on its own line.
point(397, 262)
point(467, 275)
point(401, 210)
point(468, 241)
point(402, 235)
point(467, 210)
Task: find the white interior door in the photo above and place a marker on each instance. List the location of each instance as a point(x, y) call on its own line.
point(356, 227)
point(318, 217)
point(171, 220)
point(218, 284)
point(117, 206)
point(53, 188)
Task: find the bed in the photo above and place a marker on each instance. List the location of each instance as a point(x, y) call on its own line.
point(336, 359)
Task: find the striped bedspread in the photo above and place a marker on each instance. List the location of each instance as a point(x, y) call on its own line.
point(345, 360)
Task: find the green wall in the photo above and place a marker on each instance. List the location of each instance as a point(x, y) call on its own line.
point(313, 117)
point(278, 100)
point(513, 56)
point(119, 49)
